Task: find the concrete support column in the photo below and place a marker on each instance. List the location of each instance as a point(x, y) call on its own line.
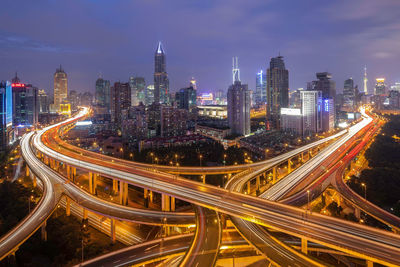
point(274, 175)
point(73, 174)
point(172, 204)
point(203, 178)
point(289, 167)
point(370, 263)
point(95, 175)
point(150, 196)
point(310, 154)
point(68, 172)
point(57, 165)
point(302, 157)
point(27, 171)
point(165, 203)
point(258, 182)
point(91, 183)
point(33, 178)
point(112, 224)
point(43, 231)
point(68, 206)
point(357, 213)
point(123, 193)
point(85, 214)
point(304, 245)
point(115, 186)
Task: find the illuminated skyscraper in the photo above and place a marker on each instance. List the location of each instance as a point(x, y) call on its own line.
point(193, 83)
point(261, 88)
point(6, 115)
point(380, 87)
point(161, 82)
point(277, 90)
point(311, 108)
point(102, 94)
point(365, 81)
point(238, 104)
point(60, 88)
point(149, 95)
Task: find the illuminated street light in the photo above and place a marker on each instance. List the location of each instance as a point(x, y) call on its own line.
point(365, 190)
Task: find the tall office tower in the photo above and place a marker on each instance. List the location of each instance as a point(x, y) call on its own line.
point(120, 98)
point(193, 83)
point(349, 93)
point(60, 88)
point(43, 102)
point(186, 98)
point(161, 82)
point(6, 115)
point(149, 95)
point(365, 81)
point(102, 94)
point(235, 70)
point(380, 87)
point(138, 86)
point(238, 104)
point(261, 88)
point(277, 90)
point(325, 85)
point(311, 108)
point(25, 104)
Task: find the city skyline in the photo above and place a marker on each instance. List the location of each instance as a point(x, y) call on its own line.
point(366, 40)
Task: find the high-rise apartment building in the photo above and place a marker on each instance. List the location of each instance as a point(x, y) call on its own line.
point(43, 102)
point(25, 104)
point(60, 88)
point(311, 109)
point(102, 94)
point(380, 87)
point(238, 105)
point(173, 121)
point(6, 115)
point(138, 86)
point(149, 95)
point(277, 91)
point(186, 98)
point(161, 82)
point(349, 93)
point(261, 88)
point(120, 101)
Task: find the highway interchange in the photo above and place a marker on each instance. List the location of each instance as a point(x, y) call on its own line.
point(358, 240)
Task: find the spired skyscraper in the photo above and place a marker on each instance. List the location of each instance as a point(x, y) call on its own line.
point(161, 82)
point(60, 88)
point(277, 91)
point(238, 104)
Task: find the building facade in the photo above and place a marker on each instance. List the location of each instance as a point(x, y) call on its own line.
point(239, 108)
point(380, 87)
point(25, 105)
point(102, 94)
point(311, 109)
point(6, 115)
point(277, 91)
point(261, 88)
point(186, 98)
point(292, 120)
point(161, 82)
point(60, 88)
point(120, 101)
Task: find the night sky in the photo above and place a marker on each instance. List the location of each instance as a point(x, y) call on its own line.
point(118, 38)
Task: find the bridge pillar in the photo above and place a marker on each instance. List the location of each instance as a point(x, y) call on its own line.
point(203, 178)
point(302, 157)
point(370, 263)
point(112, 232)
point(68, 172)
point(274, 175)
point(258, 182)
point(56, 165)
point(85, 214)
point(248, 187)
point(310, 154)
point(73, 174)
point(357, 213)
point(172, 203)
point(304, 245)
point(165, 203)
point(43, 231)
point(150, 196)
point(115, 186)
point(27, 171)
point(92, 182)
point(123, 193)
point(68, 206)
point(289, 167)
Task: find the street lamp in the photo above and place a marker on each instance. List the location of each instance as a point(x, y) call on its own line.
point(201, 157)
point(224, 159)
point(30, 198)
point(365, 190)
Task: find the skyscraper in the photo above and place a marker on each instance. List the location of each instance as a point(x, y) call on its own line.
point(325, 84)
point(365, 81)
point(120, 101)
point(25, 104)
point(261, 88)
point(43, 102)
point(60, 88)
point(138, 86)
point(277, 90)
point(149, 95)
point(311, 108)
point(186, 98)
point(238, 104)
point(102, 93)
point(6, 115)
point(161, 82)
point(349, 93)
point(380, 87)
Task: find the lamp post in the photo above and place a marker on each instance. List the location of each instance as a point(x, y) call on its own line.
point(224, 159)
point(201, 157)
point(30, 198)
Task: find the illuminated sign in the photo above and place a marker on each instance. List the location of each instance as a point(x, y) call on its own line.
point(326, 105)
point(380, 80)
point(291, 111)
point(350, 116)
point(207, 96)
point(18, 85)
